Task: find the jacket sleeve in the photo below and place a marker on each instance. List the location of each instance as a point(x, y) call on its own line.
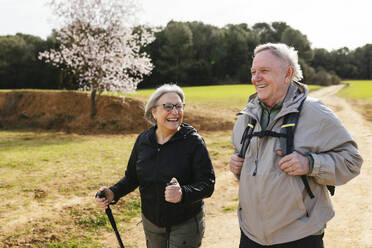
point(203, 175)
point(336, 160)
point(130, 181)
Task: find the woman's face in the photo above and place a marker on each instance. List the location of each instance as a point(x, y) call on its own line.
point(168, 112)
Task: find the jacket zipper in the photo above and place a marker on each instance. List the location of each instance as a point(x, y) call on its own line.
point(156, 178)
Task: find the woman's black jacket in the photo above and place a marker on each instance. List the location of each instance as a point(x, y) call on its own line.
point(151, 166)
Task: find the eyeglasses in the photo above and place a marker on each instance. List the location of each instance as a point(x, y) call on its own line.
point(169, 107)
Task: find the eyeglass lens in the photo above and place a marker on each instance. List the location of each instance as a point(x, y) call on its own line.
point(169, 106)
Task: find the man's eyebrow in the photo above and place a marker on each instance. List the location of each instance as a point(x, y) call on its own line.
point(261, 67)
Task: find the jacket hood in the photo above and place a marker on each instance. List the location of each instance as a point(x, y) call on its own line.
point(187, 129)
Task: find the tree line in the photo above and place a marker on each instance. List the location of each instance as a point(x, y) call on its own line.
point(190, 53)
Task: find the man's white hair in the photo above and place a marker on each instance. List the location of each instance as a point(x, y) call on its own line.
point(153, 100)
point(288, 54)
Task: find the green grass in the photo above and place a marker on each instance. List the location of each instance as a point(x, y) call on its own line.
point(230, 208)
point(357, 89)
point(37, 168)
point(224, 93)
point(76, 243)
point(41, 160)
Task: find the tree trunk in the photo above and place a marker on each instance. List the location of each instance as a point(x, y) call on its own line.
point(93, 109)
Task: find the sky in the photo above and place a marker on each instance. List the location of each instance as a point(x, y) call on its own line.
point(329, 24)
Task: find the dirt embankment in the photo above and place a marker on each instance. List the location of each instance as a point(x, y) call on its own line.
point(70, 112)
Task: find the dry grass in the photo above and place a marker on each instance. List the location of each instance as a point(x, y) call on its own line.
point(49, 179)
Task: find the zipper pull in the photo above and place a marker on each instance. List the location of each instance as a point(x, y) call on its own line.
point(255, 168)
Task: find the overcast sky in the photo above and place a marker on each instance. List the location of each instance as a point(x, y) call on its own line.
point(329, 24)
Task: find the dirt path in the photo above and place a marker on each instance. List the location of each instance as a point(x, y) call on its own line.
point(352, 225)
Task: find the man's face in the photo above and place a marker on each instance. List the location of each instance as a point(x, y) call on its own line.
point(271, 76)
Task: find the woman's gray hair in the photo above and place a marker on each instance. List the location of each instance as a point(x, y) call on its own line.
point(153, 100)
point(289, 54)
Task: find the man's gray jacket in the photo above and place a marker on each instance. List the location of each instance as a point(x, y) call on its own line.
point(274, 207)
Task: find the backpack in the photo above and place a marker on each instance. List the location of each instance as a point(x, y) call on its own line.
point(286, 138)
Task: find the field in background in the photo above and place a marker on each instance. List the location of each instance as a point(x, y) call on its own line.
point(359, 94)
point(357, 89)
point(236, 94)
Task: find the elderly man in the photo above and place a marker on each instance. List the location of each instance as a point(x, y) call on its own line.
point(283, 197)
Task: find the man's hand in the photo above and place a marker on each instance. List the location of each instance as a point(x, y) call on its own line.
point(173, 192)
point(236, 164)
point(294, 164)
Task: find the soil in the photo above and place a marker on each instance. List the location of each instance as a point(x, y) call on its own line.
point(70, 112)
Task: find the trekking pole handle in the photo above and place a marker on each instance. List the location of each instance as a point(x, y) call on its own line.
point(100, 194)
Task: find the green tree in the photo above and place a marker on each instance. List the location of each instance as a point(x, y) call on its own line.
point(176, 51)
point(295, 38)
point(362, 59)
point(19, 66)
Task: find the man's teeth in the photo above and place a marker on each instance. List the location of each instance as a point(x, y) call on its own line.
point(174, 119)
point(261, 86)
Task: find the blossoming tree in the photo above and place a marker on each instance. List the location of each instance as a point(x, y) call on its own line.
point(100, 44)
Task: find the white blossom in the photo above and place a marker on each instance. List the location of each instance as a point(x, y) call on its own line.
point(99, 45)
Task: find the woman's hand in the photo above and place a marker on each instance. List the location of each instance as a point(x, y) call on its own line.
point(104, 202)
point(173, 192)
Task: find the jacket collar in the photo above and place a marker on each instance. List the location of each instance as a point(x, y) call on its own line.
point(185, 131)
point(295, 94)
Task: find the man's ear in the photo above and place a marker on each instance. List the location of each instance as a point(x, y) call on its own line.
point(289, 74)
point(153, 111)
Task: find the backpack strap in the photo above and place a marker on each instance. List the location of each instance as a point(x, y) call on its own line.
point(246, 137)
point(286, 139)
point(287, 142)
point(287, 145)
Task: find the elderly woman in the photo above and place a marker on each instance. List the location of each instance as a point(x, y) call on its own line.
point(171, 166)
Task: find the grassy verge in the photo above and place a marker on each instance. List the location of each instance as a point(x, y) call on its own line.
point(359, 94)
point(357, 89)
point(49, 180)
point(236, 94)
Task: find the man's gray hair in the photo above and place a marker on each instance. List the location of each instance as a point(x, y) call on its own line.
point(153, 100)
point(288, 54)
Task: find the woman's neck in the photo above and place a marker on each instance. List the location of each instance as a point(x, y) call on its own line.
point(163, 136)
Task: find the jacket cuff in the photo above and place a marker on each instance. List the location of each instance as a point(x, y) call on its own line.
point(311, 163)
point(316, 165)
point(116, 199)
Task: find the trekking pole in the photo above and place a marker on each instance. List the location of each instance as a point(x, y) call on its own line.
point(101, 194)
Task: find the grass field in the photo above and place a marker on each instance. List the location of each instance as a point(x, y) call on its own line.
point(359, 93)
point(42, 171)
point(223, 94)
point(50, 180)
point(357, 89)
